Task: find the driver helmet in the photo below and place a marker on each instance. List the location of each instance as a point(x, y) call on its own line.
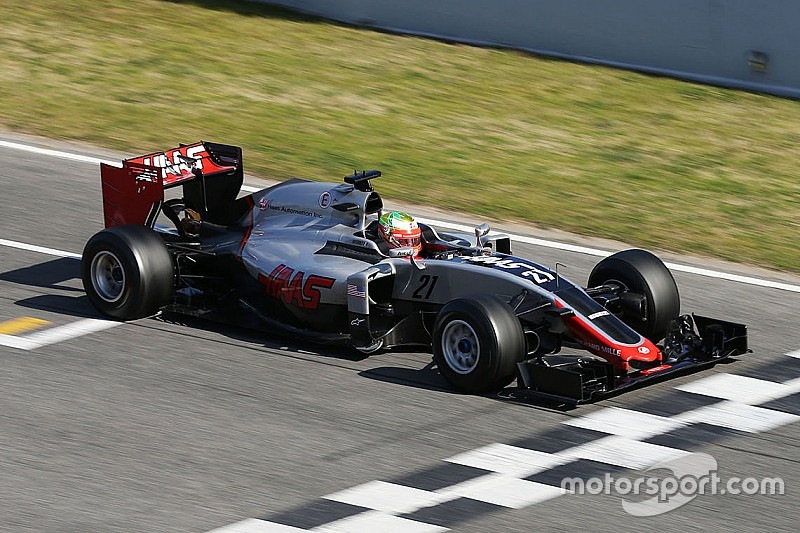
point(400, 230)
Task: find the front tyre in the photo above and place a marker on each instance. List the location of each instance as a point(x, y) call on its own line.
point(477, 343)
point(127, 272)
point(641, 272)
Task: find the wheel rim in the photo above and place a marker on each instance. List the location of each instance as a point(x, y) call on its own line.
point(108, 276)
point(460, 347)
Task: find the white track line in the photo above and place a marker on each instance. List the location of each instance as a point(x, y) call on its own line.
point(40, 249)
point(506, 459)
point(625, 422)
point(460, 227)
point(738, 416)
point(57, 334)
point(69, 331)
point(622, 451)
point(503, 490)
point(12, 341)
point(55, 153)
point(740, 389)
point(387, 497)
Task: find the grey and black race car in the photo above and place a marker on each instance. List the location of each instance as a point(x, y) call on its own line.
point(305, 257)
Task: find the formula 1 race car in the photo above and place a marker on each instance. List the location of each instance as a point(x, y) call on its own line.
point(305, 257)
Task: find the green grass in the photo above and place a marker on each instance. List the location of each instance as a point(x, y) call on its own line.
point(655, 162)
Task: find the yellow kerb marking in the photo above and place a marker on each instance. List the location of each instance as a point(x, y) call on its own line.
point(20, 325)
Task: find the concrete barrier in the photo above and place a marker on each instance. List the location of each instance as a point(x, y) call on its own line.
point(747, 44)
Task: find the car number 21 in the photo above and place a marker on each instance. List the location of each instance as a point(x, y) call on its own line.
point(426, 285)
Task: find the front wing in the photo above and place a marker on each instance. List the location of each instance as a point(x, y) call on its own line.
point(693, 343)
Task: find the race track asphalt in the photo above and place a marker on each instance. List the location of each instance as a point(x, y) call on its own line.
point(158, 425)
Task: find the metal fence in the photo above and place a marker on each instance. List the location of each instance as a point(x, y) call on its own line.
point(747, 44)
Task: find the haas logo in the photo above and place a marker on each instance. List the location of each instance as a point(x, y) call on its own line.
point(294, 288)
point(177, 165)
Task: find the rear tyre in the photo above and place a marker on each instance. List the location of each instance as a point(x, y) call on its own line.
point(127, 272)
point(639, 271)
point(477, 343)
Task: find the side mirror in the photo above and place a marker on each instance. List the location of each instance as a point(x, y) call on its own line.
point(481, 232)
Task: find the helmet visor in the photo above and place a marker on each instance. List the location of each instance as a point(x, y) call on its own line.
point(407, 240)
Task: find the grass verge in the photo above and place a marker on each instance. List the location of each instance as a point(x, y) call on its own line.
point(652, 161)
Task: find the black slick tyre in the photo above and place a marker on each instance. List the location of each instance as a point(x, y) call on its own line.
point(477, 343)
point(639, 271)
point(127, 272)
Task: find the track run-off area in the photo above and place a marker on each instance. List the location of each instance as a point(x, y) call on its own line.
point(168, 424)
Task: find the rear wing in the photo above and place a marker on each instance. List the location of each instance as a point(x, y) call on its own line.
point(211, 175)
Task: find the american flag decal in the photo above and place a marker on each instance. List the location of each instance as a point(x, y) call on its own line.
point(356, 290)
